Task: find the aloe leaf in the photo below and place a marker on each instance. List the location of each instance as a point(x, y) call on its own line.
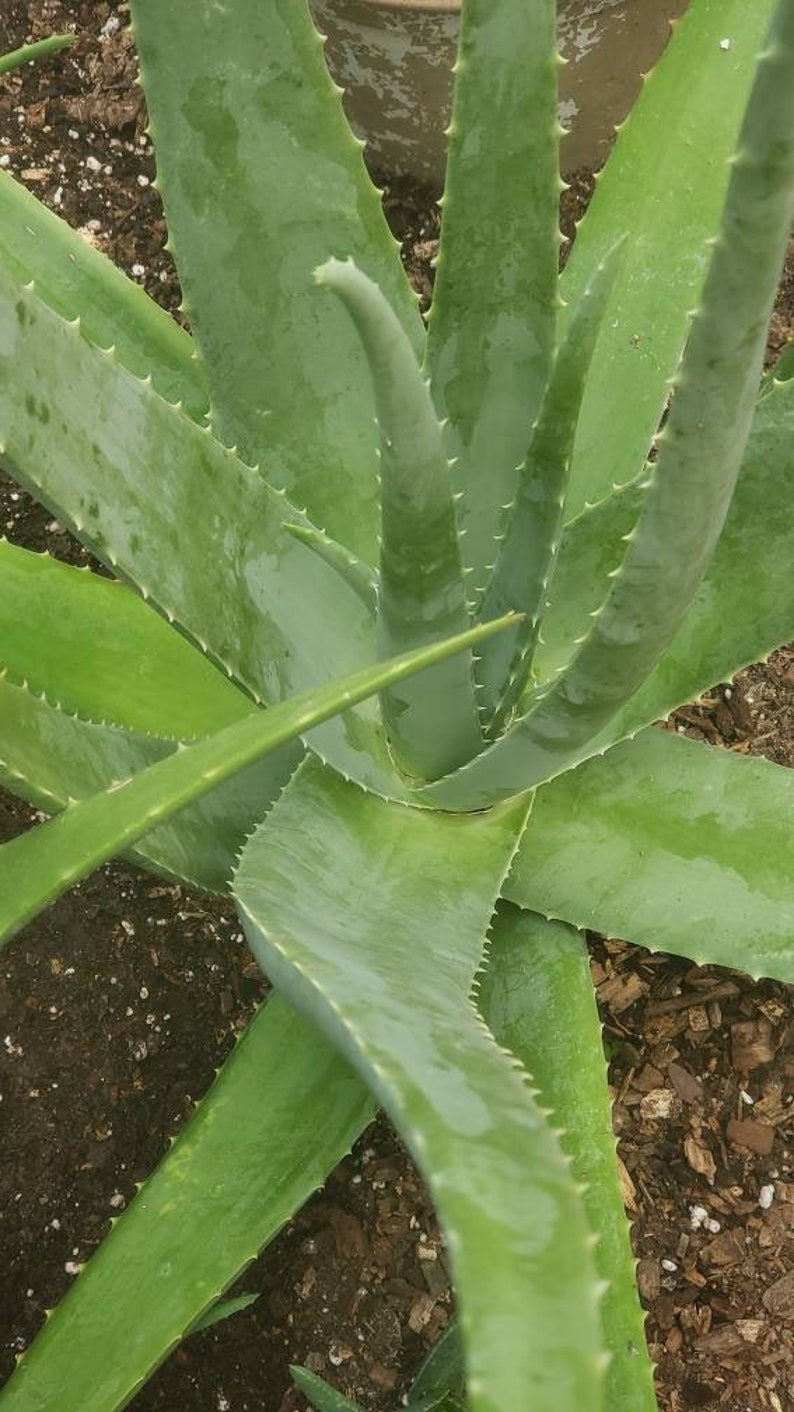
point(261, 181)
point(49, 758)
point(433, 724)
point(40, 865)
point(442, 1370)
point(744, 606)
point(30, 52)
point(358, 575)
point(385, 971)
point(784, 369)
point(592, 547)
point(492, 321)
point(78, 282)
point(669, 195)
point(223, 1309)
point(529, 552)
point(538, 1000)
point(321, 1395)
point(670, 844)
point(699, 459)
point(91, 647)
point(441, 1380)
point(127, 472)
point(282, 1112)
point(94, 648)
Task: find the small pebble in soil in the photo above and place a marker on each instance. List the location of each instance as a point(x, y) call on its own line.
point(766, 1196)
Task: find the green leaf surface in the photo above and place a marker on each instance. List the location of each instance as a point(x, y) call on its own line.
point(370, 917)
point(200, 533)
point(785, 365)
point(321, 1395)
point(282, 1112)
point(433, 723)
point(670, 844)
point(224, 1309)
point(49, 758)
point(94, 648)
point(699, 459)
point(492, 322)
point(665, 183)
point(353, 571)
point(440, 1383)
point(78, 282)
point(538, 1000)
point(528, 554)
point(262, 181)
point(30, 52)
point(40, 865)
point(744, 606)
point(443, 1370)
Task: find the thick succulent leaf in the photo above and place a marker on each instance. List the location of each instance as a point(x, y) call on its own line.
point(528, 554)
point(592, 547)
point(30, 52)
point(538, 1000)
point(491, 332)
point(670, 844)
point(321, 1395)
point(692, 482)
point(433, 723)
point(221, 1310)
point(94, 648)
point(744, 606)
point(78, 282)
point(669, 195)
point(261, 181)
point(442, 1371)
point(282, 1112)
point(370, 917)
point(38, 866)
point(785, 366)
point(197, 531)
point(49, 758)
point(357, 574)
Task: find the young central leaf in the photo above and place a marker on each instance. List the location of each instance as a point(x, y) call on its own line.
point(529, 551)
point(433, 725)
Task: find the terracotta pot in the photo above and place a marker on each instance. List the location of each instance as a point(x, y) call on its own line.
point(394, 60)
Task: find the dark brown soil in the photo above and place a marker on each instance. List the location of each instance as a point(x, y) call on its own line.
point(117, 1005)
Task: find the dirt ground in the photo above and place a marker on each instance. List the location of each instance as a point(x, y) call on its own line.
point(117, 1005)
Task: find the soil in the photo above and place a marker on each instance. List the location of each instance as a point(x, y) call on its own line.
point(118, 1003)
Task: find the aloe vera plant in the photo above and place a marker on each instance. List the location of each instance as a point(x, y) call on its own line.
point(314, 482)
